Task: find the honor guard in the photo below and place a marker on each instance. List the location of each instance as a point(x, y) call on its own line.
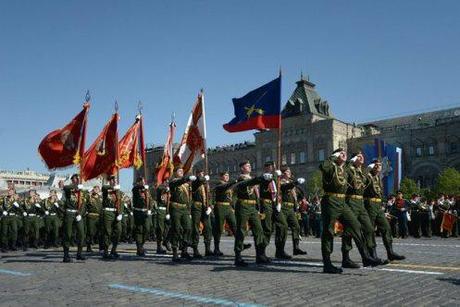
point(111, 217)
point(142, 208)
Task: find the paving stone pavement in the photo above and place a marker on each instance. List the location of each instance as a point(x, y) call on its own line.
point(429, 277)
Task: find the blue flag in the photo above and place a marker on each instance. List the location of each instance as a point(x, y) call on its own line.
point(258, 109)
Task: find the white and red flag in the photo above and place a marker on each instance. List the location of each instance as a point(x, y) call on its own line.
point(193, 144)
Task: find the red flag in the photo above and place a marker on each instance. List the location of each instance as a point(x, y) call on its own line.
point(448, 221)
point(129, 149)
point(64, 147)
point(165, 168)
point(193, 144)
point(103, 154)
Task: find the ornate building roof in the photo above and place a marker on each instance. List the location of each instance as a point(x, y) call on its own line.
point(306, 100)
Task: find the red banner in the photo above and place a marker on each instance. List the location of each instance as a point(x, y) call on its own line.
point(103, 154)
point(129, 151)
point(165, 168)
point(64, 147)
point(448, 221)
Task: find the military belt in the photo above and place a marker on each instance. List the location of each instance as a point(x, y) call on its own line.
point(162, 208)
point(222, 203)
point(288, 204)
point(93, 214)
point(125, 214)
point(31, 214)
point(198, 203)
point(140, 209)
point(247, 201)
point(52, 214)
point(71, 210)
point(12, 214)
point(266, 201)
point(374, 200)
point(355, 196)
point(178, 205)
point(110, 209)
point(338, 195)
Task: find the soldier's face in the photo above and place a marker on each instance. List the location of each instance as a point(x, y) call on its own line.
point(180, 173)
point(75, 180)
point(360, 159)
point(10, 192)
point(342, 157)
point(246, 169)
point(61, 184)
point(269, 169)
point(288, 173)
point(378, 167)
point(225, 178)
point(112, 181)
point(96, 189)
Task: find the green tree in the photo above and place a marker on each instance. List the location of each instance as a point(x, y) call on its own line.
point(448, 182)
point(315, 184)
point(409, 187)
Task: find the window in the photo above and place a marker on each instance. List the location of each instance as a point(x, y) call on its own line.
point(431, 150)
point(321, 155)
point(283, 159)
point(292, 157)
point(302, 157)
point(418, 151)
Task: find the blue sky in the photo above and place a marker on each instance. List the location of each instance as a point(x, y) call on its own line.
point(369, 59)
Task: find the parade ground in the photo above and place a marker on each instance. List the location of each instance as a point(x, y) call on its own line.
point(429, 277)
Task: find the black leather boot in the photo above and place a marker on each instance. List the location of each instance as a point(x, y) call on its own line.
point(175, 256)
point(79, 253)
point(207, 249)
point(217, 251)
point(297, 250)
point(329, 268)
point(160, 249)
point(239, 260)
point(196, 253)
point(281, 254)
point(392, 255)
point(67, 258)
point(347, 262)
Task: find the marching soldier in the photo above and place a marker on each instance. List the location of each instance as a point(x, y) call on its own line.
point(357, 183)
point(246, 212)
point(31, 211)
point(163, 219)
point(268, 199)
point(334, 208)
point(73, 211)
point(415, 212)
point(179, 210)
point(126, 230)
point(11, 213)
point(200, 211)
point(93, 217)
point(142, 206)
point(111, 217)
point(372, 200)
point(286, 215)
point(52, 219)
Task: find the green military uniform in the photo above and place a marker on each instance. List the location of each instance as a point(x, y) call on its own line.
point(223, 212)
point(181, 223)
point(287, 218)
point(335, 185)
point(11, 213)
point(52, 220)
point(142, 206)
point(126, 223)
point(373, 200)
point(357, 182)
point(415, 207)
point(268, 199)
point(32, 211)
point(246, 212)
point(93, 218)
point(74, 207)
point(198, 212)
point(162, 225)
point(111, 225)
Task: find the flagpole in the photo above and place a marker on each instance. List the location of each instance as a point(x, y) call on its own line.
point(206, 164)
point(278, 181)
point(81, 147)
point(117, 145)
point(140, 107)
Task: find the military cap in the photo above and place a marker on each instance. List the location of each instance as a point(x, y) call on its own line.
point(75, 176)
point(269, 163)
point(242, 163)
point(224, 173)
point(285, 168)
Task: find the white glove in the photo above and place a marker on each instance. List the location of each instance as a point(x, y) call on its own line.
point(119, 217)
point(116, 187)
point(167, 217)
point(125, 205)
point(149, 212)
point(146, 186)
point(208, 211)
point(192, 178)
point(47, 212)
point(80, 187)
point(38, 205)
point(278, 207)
point(268, 176)
point(24, 213)
point(56, 205)
point(167, 189)
point(278, 172)
point(78, 218)
point(130, 213)
point(206, 177)
point(16, 204)
point(300, 180)
point(190, 216)
point(5, 213)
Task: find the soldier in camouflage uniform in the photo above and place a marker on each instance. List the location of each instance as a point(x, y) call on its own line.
point(73, 210)
point(111, 217)
point(93, 217)
point(11, 213)
point(200, 211)
point(286, 215)
point(179, 210)
point(163, 219)
point(246, 212)
point(142, 206)
point(31, 211)
point(335, 185)
point(372, 201)
point(268, 199)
